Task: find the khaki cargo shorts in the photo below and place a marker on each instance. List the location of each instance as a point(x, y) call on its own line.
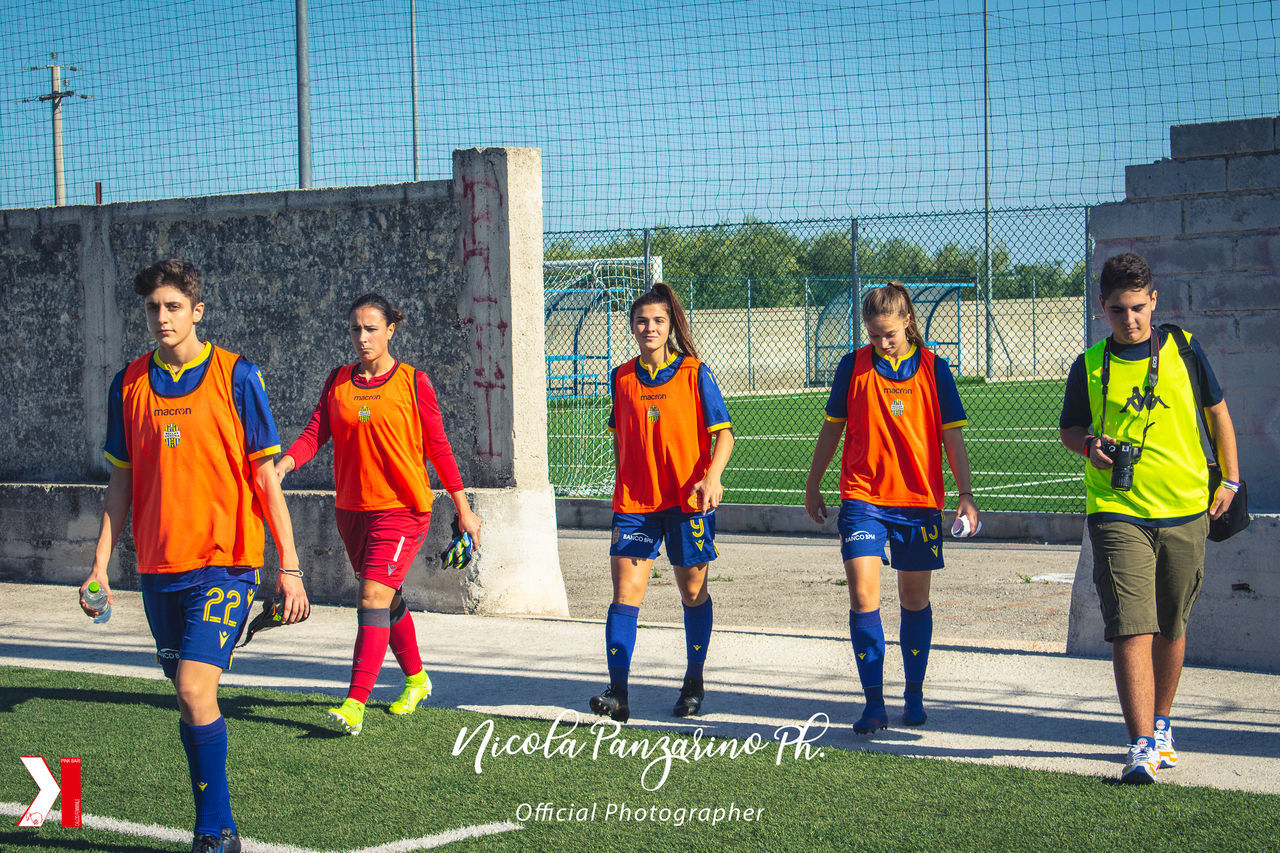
point(1147, 577)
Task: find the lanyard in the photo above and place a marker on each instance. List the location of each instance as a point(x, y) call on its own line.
point(1153, 374)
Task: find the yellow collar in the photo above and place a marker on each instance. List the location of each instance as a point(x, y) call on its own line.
point(653, 373)
point(895, 362)
point(177, 371)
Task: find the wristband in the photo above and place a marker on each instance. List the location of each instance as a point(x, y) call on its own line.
point(1088, 439)
point(297, 573)
point(962, 494)
point(1233, 485)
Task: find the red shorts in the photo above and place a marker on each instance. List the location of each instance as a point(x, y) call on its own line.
point(381, 544)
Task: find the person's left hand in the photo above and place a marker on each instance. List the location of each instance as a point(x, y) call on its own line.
point(293, 595)
point(707, 492)
point(1221, 501)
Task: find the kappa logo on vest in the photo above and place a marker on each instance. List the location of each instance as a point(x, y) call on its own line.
point(1139, 401)
point(172, 435)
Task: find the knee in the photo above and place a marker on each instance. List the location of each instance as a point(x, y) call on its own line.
point(196, 701)
point(694, 597)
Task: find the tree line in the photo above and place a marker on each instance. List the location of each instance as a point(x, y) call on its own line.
point(720, 266)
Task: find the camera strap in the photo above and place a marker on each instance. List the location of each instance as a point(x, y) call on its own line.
point(1148, 398)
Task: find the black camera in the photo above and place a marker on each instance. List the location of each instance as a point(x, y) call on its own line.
point(1122, 456)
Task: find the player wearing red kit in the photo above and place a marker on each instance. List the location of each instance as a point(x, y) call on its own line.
point(385, 423)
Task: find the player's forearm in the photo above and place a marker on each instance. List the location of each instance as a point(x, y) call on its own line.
point(116, 510)
point(824, 450)
point(1224, 432)
point(1075, 439)
point(276, 511)
point(958, 458)
point(720, 453)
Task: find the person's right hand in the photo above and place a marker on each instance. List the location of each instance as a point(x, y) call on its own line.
point(101, 577)
point(284, 465)
point(815, 505)
point(1099, 459)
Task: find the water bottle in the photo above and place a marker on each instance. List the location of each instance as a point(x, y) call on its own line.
point(95, 598)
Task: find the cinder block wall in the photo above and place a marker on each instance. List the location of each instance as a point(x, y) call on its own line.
point(1208, 221)
point(459, 257)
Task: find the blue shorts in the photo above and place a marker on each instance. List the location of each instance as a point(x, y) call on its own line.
point(690, 536)
point(201, 622)
point(914, 535)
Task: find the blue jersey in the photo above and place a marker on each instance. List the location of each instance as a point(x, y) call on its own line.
point(261, 439)
point(714, 411)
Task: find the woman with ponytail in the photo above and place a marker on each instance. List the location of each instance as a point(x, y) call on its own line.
point(671, 441)
point(385, 422)
point(898, 407)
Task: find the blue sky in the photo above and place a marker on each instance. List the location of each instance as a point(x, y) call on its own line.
point(646, 113)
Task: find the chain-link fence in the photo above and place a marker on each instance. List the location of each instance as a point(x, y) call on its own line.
point(773, 308)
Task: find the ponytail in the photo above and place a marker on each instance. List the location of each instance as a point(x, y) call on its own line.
point(662, 294)
point(893, 300)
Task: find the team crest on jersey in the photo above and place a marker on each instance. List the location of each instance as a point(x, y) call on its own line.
point(172, 435)
point(364, 414)
point(896, 408)
point(653, 414)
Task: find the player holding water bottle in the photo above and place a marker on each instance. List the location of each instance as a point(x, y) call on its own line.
point(899, 408)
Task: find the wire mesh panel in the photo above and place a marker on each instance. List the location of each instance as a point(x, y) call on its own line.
point(774, 307)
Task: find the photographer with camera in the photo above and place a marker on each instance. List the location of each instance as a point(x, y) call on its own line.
point(1130, 409)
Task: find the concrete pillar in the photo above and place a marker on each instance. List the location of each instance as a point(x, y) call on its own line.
point(1208, 222)
point(499, 197)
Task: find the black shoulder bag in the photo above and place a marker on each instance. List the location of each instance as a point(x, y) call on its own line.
point(1236, 518)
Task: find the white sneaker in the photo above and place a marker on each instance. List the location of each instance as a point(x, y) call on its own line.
point(1164, 743)
point(1141, 767)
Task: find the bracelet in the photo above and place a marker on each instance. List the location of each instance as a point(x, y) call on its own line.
point(962, 494)
point(1088, 439)
point(1233, 485)
point(297, 573)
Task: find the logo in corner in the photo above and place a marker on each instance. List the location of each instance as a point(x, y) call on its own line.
point(222, 638)
point(616, 534)
point(50, 789)
point(172, 435)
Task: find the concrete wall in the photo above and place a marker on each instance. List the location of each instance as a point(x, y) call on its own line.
point(1208, 222)
point(460, 258)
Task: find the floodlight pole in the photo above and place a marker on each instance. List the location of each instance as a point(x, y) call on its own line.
point(304, 96)
point(413, 53)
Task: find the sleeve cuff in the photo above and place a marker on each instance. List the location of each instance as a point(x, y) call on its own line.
point(832, 420)
point(119, 463)
point(718, 427)
point(612, 430)
point(266, 451)
point(955, 424)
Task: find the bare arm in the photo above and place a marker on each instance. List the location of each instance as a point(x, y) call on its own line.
point(1225, 432)
point(119, 499)
point(1080, 441)
point(958, 458)
point(289, 588)
point(708, 490)
point(823, 452)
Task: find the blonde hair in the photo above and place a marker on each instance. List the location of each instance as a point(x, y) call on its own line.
point(893, 300)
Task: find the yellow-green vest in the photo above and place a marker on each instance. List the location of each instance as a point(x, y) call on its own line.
point(1171, 480)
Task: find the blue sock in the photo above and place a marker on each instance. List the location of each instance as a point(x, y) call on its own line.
point(867, 634)
point(916, 636)
point(697, 634)
point(619, 640)
point(206, 748)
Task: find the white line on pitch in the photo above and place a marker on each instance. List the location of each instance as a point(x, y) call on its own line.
point(180, 836)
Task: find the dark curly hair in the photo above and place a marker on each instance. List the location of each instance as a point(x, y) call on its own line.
point(1125, 272)
point(173, 273)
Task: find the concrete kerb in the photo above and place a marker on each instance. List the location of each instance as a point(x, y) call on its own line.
point(596, 514)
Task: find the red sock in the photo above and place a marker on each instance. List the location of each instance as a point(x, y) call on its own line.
point(371, 647)
point(404, 641)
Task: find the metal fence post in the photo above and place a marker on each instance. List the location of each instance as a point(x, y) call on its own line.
point(855, 330)
point(751, 371)
point(1084, 291)
point(807, 376)
point(1033, 325)
point(648, 272)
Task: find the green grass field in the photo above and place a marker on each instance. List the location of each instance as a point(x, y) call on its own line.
point(301, 787)
point(1018, 463)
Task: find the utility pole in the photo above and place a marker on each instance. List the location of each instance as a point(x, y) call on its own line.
point(304, 96)
point(55, 96)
